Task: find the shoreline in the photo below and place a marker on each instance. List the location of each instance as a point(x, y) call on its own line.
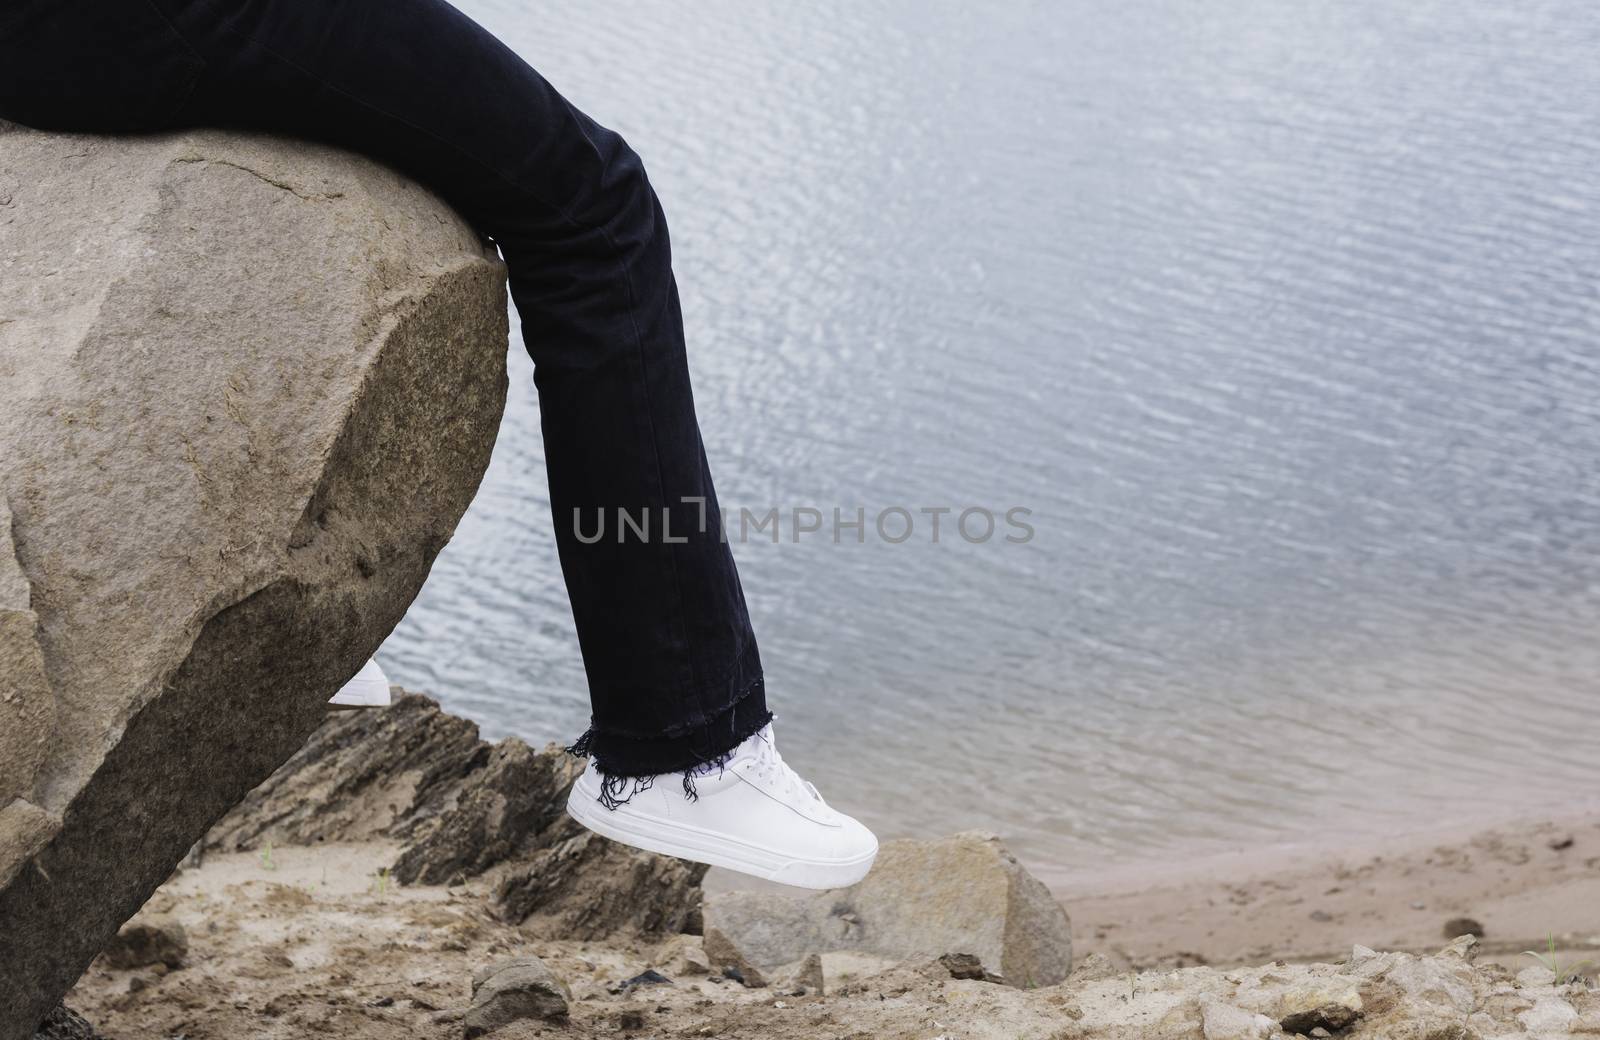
point(1524, 880)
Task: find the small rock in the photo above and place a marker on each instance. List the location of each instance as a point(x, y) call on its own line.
point(1094, 967)
point(1459, 926)
point(630, 1019)
point(963, 966)
point(693, 961)
point(1560, 842)
point(965, 892)
point(648, 977)
point(1332, 1017)
point(1549, 1015)
point(1462, 948)
point(1431, 980)
point(1333, 1005)
point(1536, 976)
point(513, 990)
point(809, 975)
point(730, 960)
point(143, 941)
point(1321, 916)
point(1219, 1021)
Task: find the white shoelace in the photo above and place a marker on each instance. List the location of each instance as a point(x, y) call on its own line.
point(771, 767)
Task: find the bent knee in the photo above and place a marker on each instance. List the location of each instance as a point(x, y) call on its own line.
point(620, 188)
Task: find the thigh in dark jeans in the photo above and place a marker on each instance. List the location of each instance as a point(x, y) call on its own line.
point(72, 65)
point(673, 670)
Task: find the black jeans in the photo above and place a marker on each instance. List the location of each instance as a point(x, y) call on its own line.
point(674, 676)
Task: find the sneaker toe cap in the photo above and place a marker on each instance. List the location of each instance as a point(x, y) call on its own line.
point(853, 840)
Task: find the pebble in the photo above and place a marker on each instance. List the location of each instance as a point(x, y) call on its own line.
point(511, 991)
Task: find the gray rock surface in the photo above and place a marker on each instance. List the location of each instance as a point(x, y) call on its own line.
point(960, 894)
point(461, 807)
point(726, 958)
point(574, 884)
point(412, 773)
point(808, 979)
point(513, 991)
point(247, 388)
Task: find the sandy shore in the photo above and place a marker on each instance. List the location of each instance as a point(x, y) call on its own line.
point(1524, 882)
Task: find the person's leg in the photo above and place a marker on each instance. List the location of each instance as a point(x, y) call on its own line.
point(673, 669)
point(672, 664)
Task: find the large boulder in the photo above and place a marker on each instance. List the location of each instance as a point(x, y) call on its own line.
point(247, 388)
point(961, 894)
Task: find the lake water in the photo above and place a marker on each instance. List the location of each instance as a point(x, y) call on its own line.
point(1282, 318)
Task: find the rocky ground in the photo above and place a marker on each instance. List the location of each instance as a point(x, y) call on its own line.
point(315, 941)
point(400, 878)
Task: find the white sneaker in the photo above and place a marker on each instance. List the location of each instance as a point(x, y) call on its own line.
point(753, 814)
point(369, 689)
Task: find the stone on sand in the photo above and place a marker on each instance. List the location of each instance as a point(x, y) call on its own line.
point(959, 894)
point(512, 991)
point(809, 977)
point(726, 957)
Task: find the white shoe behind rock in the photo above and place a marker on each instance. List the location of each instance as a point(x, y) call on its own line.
point(753, 814)
point(369, 689)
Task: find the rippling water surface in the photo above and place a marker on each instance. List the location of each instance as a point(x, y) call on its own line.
point(1283, 320)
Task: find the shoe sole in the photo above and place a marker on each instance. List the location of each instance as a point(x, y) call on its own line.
point(354, 696)
point(710, 847)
